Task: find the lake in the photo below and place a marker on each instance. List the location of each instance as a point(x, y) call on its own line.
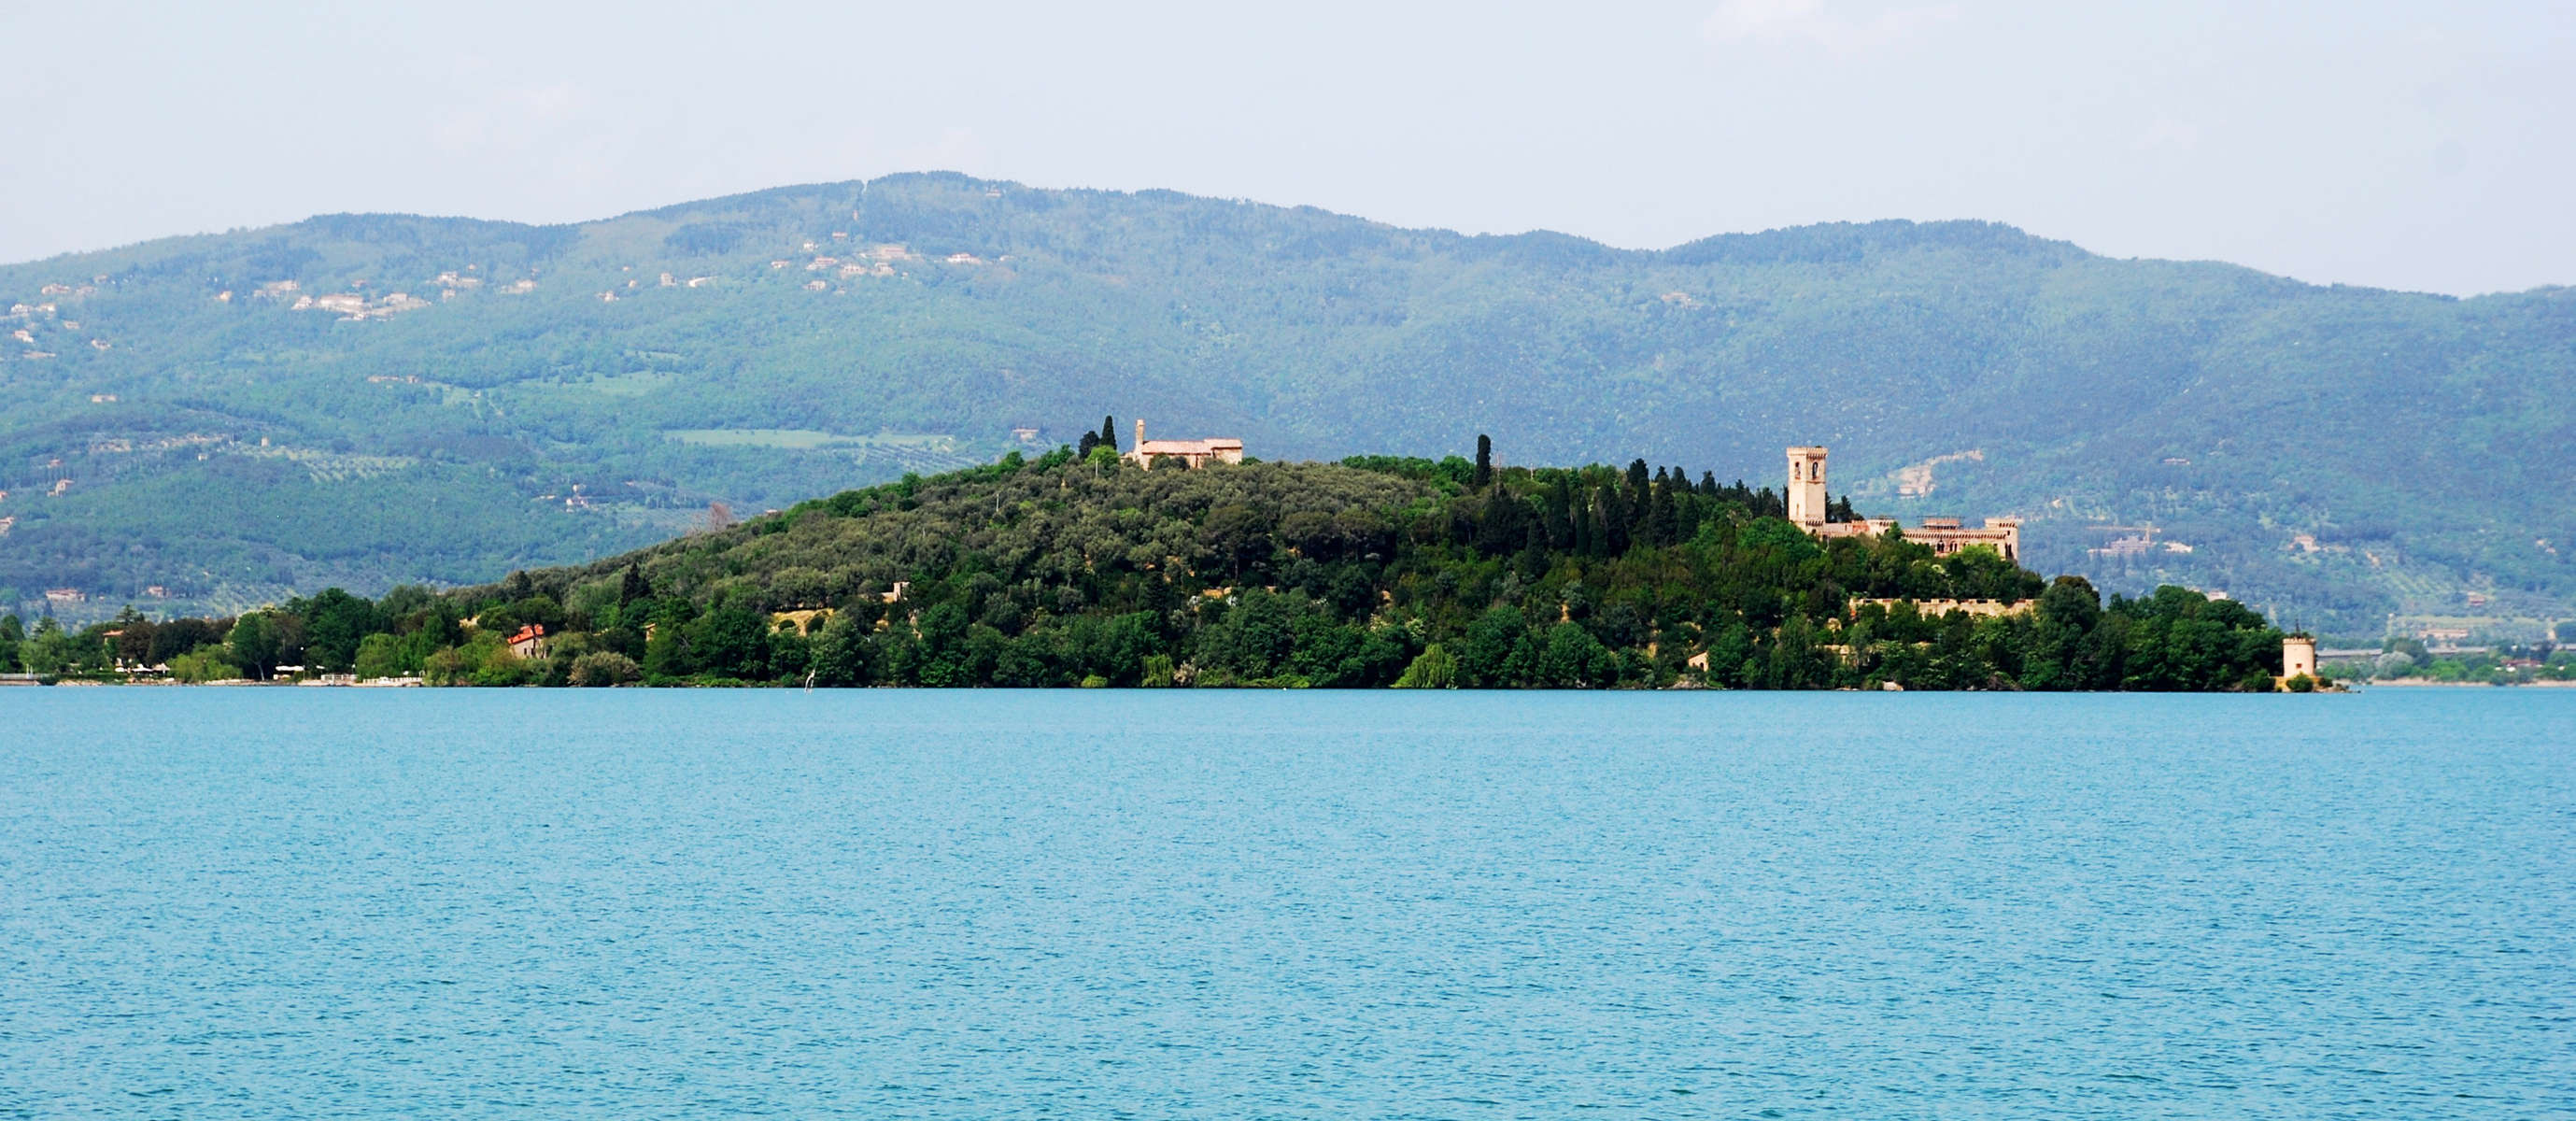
point(558, 904)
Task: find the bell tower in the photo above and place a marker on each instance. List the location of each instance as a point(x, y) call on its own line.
point(1806, 494)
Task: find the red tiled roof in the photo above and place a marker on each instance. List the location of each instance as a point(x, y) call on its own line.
point(1187, 447)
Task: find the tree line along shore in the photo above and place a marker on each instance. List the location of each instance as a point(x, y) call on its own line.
point(1075, 569)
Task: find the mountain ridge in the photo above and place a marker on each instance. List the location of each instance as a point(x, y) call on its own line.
point(2097, 391)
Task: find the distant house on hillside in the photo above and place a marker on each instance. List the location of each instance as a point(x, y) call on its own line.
point(1193, 454)
point(530, 642)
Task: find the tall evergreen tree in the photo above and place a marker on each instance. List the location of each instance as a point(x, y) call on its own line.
point(1560, 514)
point(1613, 512)
point(1663, 521)
point(1109, 430)
point(1499, 531)
point(1484, 461)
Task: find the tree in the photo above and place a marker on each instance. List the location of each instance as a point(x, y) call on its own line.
point(601, 668)
point(1432, 669)
point(203, 665)
point(135, 636)
point(1613, 523)
point(380, 655)
point(49, 650)
point(1484, 461)
point(633, 586)
point(843, 654)
point(1254, 639)
point(254, 644)
point(1573, 659)
point(334, 624)
point(1662, 519)
point(732, 641)
point(2067, 613)
point(666, 653)
point(1492, 653)
point(1559, 514)
point(1109, 432)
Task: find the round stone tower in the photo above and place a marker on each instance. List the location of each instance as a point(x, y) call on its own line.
point(2298, 656)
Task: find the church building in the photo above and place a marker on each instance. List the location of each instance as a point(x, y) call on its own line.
point(1945, 535)
point(1193, 454)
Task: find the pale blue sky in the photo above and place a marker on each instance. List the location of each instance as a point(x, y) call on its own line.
point(2413, 146)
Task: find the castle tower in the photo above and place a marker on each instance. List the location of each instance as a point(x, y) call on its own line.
point(2298, 656)
point(1140, 435)
point(1807, 486)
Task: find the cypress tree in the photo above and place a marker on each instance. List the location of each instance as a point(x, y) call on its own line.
point(1109, 430)
point(1498, 530)
point(1484, 461)
point(1560, 515)
point(634, 586)
point(1615, 520)
point(1663, 521)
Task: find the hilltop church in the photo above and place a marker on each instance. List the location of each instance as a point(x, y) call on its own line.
point(1944, 535)
point(1192, 454)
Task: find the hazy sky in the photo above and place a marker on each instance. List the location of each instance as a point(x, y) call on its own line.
point(2420, 146)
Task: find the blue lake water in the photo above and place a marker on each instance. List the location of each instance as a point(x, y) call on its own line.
point(362, 903)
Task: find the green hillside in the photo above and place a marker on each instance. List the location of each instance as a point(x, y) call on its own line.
point(1379, 571)
point(447, 400)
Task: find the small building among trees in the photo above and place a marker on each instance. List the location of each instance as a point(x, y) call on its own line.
point(530, 642)
point(1193, 454)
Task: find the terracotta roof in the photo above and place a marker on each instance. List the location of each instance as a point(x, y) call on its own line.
point(1188, 447)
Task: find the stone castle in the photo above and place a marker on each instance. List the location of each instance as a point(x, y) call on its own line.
point(1807, 508)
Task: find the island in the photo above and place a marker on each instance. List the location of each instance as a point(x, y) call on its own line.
point(1090, 567)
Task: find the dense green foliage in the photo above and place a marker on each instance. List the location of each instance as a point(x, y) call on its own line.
point(213, 442)
point(1381, 571)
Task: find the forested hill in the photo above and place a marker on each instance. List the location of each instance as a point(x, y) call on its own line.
point(206, 423)
point(1376, 572)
